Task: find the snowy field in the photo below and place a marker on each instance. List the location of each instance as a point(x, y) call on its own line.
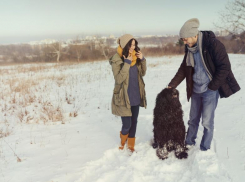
point(56, 126)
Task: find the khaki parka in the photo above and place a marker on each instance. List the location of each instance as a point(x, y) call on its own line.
point(120, 104)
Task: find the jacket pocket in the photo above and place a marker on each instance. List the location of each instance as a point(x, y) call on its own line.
point(118, 98)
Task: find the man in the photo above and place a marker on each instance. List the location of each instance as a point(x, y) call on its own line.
point(208, 74)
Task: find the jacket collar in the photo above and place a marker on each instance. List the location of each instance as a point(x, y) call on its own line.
point(208, 39)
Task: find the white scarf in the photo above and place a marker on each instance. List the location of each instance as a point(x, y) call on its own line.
point(192, 50)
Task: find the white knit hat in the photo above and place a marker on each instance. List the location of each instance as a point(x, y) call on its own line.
point(190, 28)
point(123, 40)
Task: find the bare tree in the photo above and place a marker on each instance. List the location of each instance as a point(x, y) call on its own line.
point(77, 47)
point(47, 52)
point(91, 45)
point(104, 48)
point(37, 52)
point(57, 50)
point(232, 20)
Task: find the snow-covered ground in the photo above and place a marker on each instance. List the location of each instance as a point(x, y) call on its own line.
point(56, 126)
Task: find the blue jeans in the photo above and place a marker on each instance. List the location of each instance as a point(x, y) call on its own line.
point(202, 104)
point(129, 123)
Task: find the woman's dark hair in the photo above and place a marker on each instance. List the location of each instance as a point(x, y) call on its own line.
point(127, 47)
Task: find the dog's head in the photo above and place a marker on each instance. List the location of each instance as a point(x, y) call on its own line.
point(168, 96)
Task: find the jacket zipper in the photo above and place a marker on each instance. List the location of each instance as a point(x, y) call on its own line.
point(205, 66)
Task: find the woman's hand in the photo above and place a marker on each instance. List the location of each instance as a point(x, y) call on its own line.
point(129, 57)
point(139, 55)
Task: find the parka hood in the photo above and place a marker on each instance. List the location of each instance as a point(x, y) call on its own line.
point(115, 59)
point(208, 37)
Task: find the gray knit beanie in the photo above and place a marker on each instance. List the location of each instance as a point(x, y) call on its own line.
point(123, 40)
point(190, 28)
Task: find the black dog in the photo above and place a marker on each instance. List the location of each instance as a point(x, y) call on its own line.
point(169, 128)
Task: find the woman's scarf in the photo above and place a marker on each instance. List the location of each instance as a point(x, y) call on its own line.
point(120, 50)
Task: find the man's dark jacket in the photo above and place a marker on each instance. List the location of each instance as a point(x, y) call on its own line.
point(218, 64)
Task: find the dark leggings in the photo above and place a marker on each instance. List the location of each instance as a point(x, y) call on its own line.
point(129, 123)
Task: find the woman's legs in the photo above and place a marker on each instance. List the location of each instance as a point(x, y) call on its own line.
point(134, 120)
point(129, 123)
point(126, 125)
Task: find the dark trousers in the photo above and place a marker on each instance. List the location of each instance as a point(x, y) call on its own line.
point(129, 123)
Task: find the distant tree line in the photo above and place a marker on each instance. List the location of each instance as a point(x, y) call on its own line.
point(76, 51)
point(54, 52)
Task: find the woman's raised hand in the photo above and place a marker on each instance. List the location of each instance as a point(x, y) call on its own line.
point(139, 55)
point(129, 57)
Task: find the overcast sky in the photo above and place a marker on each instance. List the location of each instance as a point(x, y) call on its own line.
point(26, 20)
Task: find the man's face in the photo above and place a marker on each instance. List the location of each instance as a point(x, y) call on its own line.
point(190, 41)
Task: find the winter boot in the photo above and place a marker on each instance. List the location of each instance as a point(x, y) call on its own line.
point(123, 140)
point(131, 143)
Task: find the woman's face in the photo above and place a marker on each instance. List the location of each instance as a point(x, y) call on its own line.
point(132, 47)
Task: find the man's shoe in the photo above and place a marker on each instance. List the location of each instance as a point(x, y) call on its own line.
point(189, 146)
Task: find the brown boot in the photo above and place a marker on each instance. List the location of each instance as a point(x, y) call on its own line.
point(131, 143)
point(123, 140)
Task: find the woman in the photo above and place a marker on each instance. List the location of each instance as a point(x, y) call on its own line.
point(129, 67)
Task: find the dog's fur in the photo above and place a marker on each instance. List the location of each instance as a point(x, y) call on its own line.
point(169, 128)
